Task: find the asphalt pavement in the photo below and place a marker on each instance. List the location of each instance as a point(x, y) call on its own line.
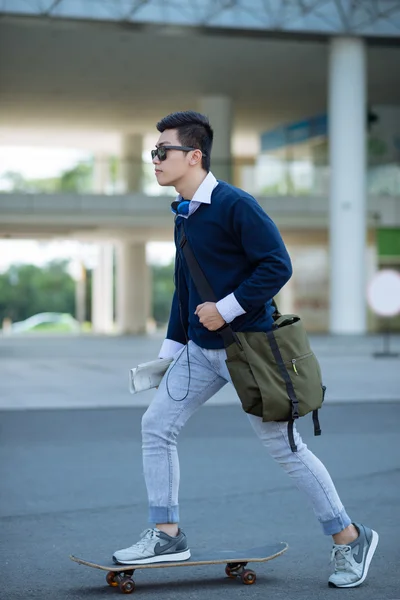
point(72, 480)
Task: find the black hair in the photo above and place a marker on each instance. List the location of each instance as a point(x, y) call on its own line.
point(193, 129)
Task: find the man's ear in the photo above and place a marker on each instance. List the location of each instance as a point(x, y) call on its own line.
point(195, 157)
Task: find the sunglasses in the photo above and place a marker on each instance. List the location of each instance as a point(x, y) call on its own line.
point(161, 152)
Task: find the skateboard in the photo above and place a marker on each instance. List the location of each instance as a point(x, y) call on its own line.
point(235, 560)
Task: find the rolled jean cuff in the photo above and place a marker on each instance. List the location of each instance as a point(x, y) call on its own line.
point(337, 524)
point(164, 514)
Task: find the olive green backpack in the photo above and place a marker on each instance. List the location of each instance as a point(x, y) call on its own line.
point(275, 373)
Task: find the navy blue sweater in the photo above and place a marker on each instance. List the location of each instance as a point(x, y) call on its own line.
point(240, 250)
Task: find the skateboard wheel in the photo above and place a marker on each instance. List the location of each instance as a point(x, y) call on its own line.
point(248, 577)
point(229, 572)
point(110, 578)
point(127, 585)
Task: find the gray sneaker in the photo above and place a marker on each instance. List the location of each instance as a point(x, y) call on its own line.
point(154, 546)
point(352, 561)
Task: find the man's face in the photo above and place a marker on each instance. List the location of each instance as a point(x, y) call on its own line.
point(176, 165)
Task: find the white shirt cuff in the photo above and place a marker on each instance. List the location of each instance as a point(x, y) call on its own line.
point(229, 308)
point(169, 348)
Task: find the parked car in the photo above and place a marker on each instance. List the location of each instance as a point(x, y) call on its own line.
point(54, 322)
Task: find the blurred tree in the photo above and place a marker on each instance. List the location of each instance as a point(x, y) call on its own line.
point(163, 289)
point(114, 170)
point(26, 290)
point(14, 181)
point(76, 180)
point(88, 295)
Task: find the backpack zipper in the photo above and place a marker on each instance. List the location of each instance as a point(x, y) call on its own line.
point(293, 361)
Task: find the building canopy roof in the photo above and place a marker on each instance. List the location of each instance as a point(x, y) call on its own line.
point(367, 18)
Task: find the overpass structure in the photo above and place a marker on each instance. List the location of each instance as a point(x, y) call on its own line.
point(104, 70)
point(148, 218)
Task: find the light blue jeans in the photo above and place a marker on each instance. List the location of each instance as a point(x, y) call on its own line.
point(176, 401)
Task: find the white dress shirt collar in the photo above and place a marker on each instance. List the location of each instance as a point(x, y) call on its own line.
point(204, 191)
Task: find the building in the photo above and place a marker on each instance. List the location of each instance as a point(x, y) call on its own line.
point(304, 96)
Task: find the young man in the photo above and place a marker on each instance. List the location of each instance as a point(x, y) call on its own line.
point(244, 258)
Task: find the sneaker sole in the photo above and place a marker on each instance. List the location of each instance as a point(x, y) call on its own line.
point(368, 558)
point(177, 557)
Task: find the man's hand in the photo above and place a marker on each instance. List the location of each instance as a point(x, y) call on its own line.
point(209, 316)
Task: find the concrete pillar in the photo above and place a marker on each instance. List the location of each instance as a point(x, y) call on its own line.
point(347, 147)
point(133, 288)
point(219, 110)
point(285, 300)
point(372, 261)
point(101, 173)
point(103, 290)
point(243, 172)
point(132, 164)
point(80, 294)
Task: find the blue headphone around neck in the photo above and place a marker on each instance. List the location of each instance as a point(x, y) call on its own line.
point(180, 207)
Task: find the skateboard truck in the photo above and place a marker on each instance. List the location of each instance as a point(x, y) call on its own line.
point(235, 570)
point(123, 580)
point(126, 584)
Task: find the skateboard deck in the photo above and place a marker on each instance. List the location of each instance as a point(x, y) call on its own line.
point(235, 560)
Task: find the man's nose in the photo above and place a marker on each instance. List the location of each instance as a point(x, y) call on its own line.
point(156, 160)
